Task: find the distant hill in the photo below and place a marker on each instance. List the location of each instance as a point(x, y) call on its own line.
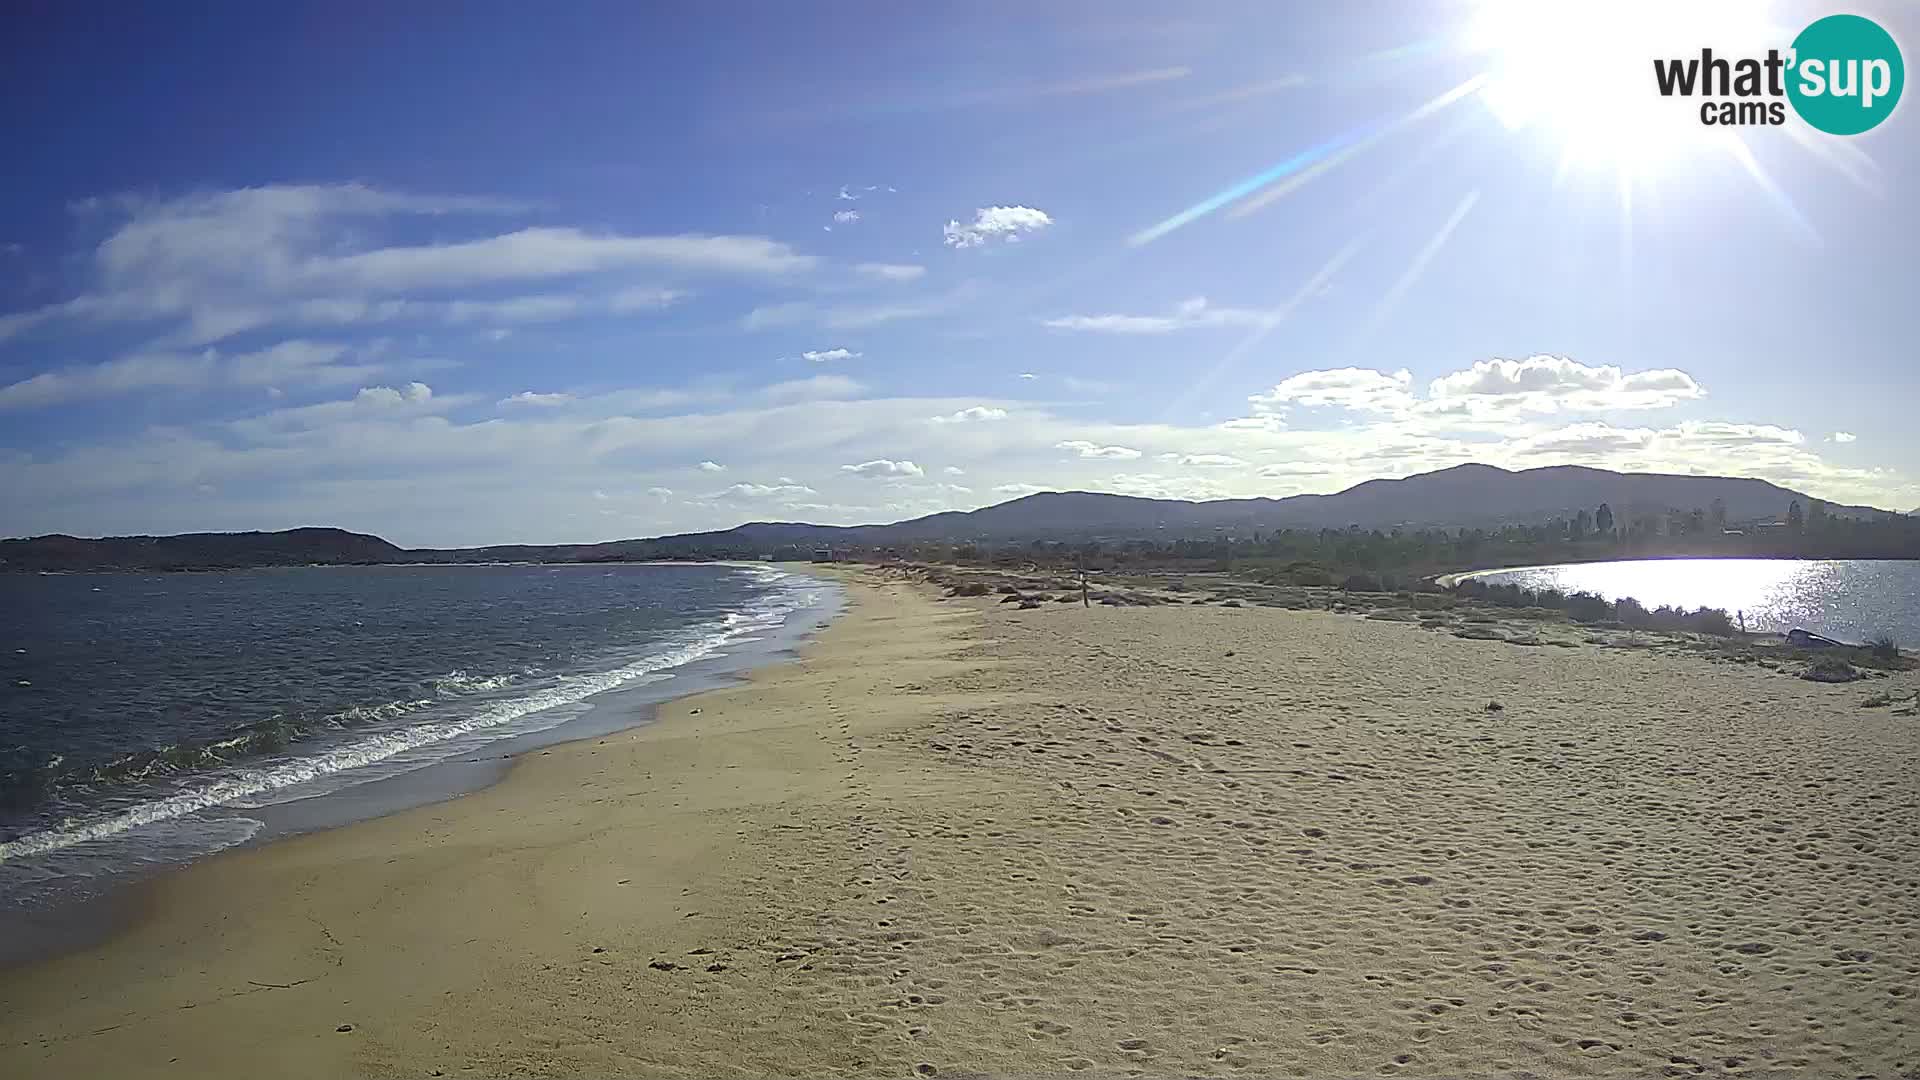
point(197, 551)
point(1461, 497)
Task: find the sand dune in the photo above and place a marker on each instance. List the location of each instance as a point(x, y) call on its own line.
point(964, 838)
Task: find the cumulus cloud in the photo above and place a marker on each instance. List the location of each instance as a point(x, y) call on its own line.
point(1490, 390)
point(954, 470)
point(1007, 223)
point(1843, 436)
point(882, 468)
point(846, 217)
point(420, 473)
point(1552, 383)
point(660, 492)
point(821, 356)
point(413, 392)
point(529, 397)
point(1095, 450)
point(1156, 486)
point(712, 466)
point(763, 492)
point(1189, 315)
point(1358, 389)
point(971, 414)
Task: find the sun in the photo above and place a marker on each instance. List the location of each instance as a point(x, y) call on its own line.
point(1581, 73)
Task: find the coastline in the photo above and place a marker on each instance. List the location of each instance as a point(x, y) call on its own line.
point(94, 909)
point(952, 835)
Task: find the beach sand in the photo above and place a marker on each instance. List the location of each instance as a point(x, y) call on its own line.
point(957, 837)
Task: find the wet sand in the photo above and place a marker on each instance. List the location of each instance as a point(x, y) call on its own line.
point(960, 837)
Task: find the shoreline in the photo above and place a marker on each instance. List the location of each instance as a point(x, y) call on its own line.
point(957, 836)
point(1454, 577)
point(102, 907)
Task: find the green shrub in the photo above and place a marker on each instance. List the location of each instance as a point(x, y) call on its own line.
point(1588, 607)
point(1884, 648)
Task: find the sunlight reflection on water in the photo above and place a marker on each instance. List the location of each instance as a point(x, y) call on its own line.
point(1854, 599)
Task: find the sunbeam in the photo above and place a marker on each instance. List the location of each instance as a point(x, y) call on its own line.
point(1251, 184)
point(1419, 264)
point(1295, 183)
point(1274, 317)
point(1736, 146)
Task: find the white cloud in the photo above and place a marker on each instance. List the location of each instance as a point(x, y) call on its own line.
point(224, 263)
point(1028, 375)
point(1358, 389)
point(1189, 315)
point(1552, 383)
point(954, 470)
point(660, 492)
point(882, 467)
point(413, 392)
point(1008, 223)
point(821, 356)
point(846, 217)
point(712, 466)
point(891, 271)
point(1094, 450)
point(298, 362)
point(763, 492)
point(543, 252)
point(837, 317)
point(513, 309)
point(529, 397)
point(1156, 486)
point(971, 414)
point(347, 419)
point(1843, 436)
point(816, 388)
point(1205, 461)
point(1020, 490)
point(142, 371)
point(419, 473)
point(644, 298)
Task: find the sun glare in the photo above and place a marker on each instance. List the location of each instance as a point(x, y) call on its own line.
point(1581, 73)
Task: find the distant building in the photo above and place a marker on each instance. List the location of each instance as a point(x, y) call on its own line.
point(824, 554)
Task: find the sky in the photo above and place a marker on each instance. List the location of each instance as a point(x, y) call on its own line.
point(576, 272)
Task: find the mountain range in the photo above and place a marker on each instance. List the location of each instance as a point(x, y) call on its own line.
point(1463, 496)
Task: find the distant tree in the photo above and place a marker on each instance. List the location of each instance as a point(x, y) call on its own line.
point(1718, 513)
point(1817, 517)
point(1603, 519)
point(1582, 524)
point(1697, 521)
point(1795, 519)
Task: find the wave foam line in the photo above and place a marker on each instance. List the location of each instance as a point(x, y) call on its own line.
point(377, 748)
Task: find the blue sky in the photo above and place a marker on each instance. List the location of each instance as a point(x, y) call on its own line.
point(583, 272)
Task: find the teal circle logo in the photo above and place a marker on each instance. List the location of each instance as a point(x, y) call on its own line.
point(1846, 74)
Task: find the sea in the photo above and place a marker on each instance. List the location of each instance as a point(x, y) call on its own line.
point(1848, 599)
point(150, 719)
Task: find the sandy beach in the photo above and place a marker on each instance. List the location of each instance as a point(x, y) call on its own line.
point(960, 837)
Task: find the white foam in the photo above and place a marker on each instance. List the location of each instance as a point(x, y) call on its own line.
point(252, 784)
